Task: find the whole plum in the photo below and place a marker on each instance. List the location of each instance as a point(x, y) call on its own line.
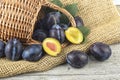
point(77, 59)
point(32, 53)
point(13, 49)
point(79, 21)
point(39, 35)
point(100, 51)
point(50, 19)
point(57, 32)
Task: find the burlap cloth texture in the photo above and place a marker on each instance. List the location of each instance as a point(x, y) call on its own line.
point(101, 16)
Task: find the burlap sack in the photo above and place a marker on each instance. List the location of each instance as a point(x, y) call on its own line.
point(101, 16)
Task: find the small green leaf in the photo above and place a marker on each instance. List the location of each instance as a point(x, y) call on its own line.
point(84, 30)
point(72, 8)
point(57, 2)
point(84, 39)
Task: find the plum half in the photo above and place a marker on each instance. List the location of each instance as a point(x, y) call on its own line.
point(52, 46)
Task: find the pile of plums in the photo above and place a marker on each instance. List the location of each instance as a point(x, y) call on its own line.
point(52, 32)
point(14, 50)
point(50, 26)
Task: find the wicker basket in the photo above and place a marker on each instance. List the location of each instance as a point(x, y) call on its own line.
point(17, 18)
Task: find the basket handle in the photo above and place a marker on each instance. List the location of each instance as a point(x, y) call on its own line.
point(53, 6)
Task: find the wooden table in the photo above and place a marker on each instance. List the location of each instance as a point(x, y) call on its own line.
point(108, 70)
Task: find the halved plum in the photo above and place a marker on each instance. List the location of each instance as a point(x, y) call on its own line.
point(74, 35)
point(52, 46)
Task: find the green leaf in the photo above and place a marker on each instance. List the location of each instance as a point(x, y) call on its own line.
point(57, 2)
point(84, 39)
point(84, 30)
point(72, 8)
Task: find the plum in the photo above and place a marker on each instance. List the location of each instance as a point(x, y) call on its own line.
point(2, 48)
point(77, 59)
point(100, 51)
point(74, 35)
point(50, 19)
point(64, 26)
point(52, 46)
point(33, 53)
point(13, 49)
point(79, 22)
point(57, 32)
point(39, 35)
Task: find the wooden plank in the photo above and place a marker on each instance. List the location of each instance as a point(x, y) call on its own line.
point(73, 77)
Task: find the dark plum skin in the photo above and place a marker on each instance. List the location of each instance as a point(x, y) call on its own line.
point(79, 21)
point(50, 19)
point(13, 50)
point(38, 25)
point(33, 53)
point(39, 35)
point(77, 59)
point(57, 32)
point(64, 26)
point(2, 48)
point(100, 51)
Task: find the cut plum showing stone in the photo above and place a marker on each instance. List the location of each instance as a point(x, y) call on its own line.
point(52, 46)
